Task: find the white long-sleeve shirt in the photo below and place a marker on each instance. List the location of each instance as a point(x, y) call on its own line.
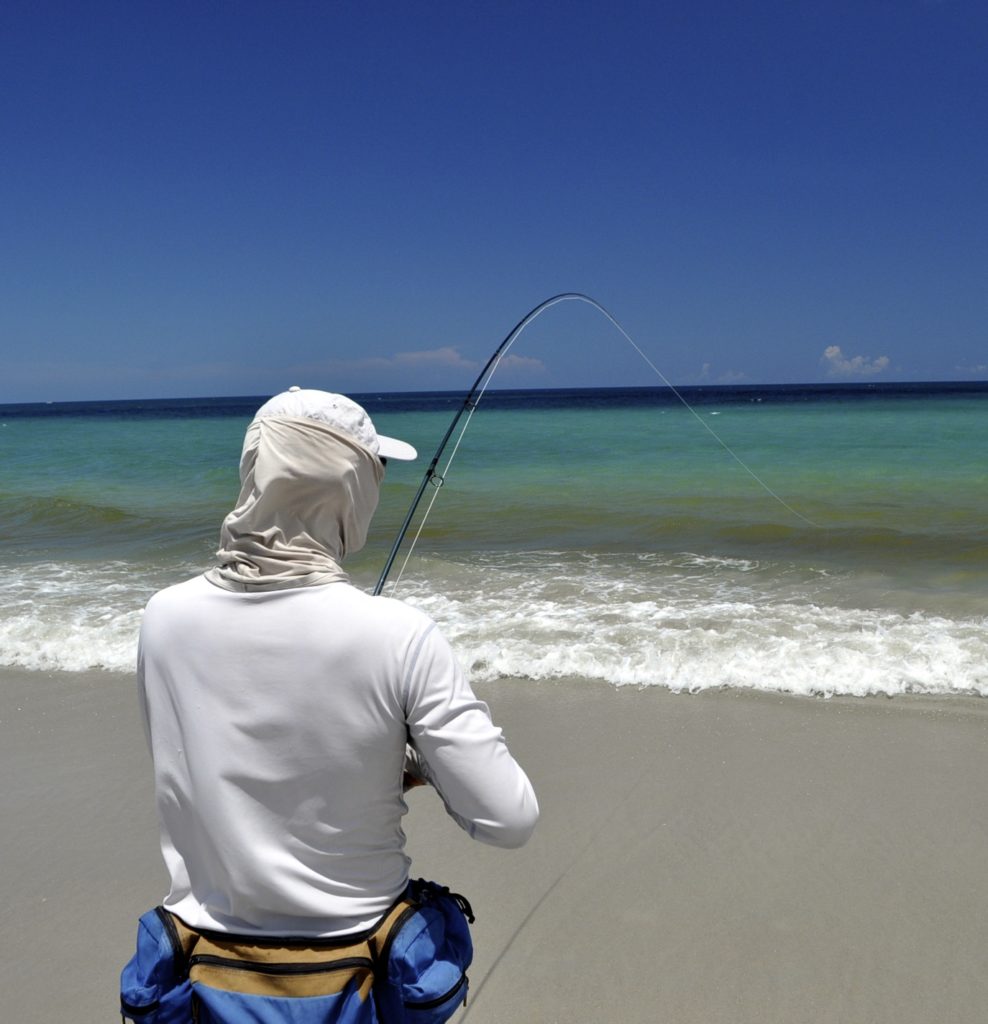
point(278, 724)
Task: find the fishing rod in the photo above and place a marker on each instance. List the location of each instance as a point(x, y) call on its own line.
point(469, 405)
point(476, 392)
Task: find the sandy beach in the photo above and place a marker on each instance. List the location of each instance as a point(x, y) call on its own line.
point(729, 856)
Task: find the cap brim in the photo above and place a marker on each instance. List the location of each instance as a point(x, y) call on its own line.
point(392, 448)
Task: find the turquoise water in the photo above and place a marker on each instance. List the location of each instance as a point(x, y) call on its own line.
point(596, 534)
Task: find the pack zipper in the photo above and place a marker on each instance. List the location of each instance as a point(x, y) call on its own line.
point(173, 938)
point(347, 963)
point(396, 927)
point(130, 1010)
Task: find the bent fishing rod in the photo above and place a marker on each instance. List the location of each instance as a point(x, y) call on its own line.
point(467, 408)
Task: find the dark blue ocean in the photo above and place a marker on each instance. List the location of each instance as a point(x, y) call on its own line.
point(816, 540)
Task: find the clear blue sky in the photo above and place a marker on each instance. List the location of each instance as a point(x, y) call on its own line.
point(227, 198)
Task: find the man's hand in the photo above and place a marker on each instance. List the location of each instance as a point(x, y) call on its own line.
point(409, 781)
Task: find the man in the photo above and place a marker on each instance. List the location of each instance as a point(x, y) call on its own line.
point(283, 706)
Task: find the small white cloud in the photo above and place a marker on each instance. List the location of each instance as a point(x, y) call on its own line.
point(435, 367)
point(524, 364)
point(980, 370)
point(446, 356)
point(839, 365)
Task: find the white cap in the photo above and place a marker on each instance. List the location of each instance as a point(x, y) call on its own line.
point(339, 412)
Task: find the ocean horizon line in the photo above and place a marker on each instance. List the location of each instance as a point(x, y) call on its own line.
point(661, 393)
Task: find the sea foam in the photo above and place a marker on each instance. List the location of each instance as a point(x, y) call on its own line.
point(687, 623)
point(74, 617)
point(699, 624)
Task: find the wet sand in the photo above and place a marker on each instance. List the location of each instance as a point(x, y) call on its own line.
point(724, 857)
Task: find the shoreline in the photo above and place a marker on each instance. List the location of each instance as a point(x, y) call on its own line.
point(724, 856)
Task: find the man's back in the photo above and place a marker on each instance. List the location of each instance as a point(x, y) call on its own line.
point(278, 722)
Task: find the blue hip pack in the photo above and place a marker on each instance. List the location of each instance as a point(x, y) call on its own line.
point(410, 968)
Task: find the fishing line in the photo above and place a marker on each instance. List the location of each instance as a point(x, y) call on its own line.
point(476, 393)
point(617, 805)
